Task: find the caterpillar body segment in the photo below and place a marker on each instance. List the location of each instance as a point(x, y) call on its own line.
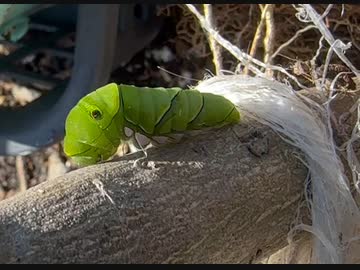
point(95, 127)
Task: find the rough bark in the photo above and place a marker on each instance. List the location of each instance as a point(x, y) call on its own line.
point(227, 196)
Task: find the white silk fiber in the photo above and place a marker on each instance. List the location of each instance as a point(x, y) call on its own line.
point(302, 123)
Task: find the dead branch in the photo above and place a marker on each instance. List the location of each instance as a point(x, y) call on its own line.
point(244, 58)
point(214, 47)
point(227, 196)
point(258, 34)
point(21, 173)
point(269, 36)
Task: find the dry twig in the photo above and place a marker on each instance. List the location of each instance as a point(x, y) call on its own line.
point(214, 47)
point(257, 35)
point(239, 54)
point(21, 173)
point(287, 43)
point(259, 29)
point(336, 45)
point(269, 36)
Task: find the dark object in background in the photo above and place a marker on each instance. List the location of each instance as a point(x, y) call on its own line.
point(106, 36)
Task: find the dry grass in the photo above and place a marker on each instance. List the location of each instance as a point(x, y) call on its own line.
point(269, 33)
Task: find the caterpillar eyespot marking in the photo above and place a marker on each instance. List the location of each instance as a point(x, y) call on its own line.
point(96, 114)
point(121, 110)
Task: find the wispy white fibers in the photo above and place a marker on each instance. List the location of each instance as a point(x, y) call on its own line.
point(303, 122)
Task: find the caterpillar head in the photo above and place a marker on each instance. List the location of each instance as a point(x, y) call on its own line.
point(93, 128)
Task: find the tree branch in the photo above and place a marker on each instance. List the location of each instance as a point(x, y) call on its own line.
point(227, 196)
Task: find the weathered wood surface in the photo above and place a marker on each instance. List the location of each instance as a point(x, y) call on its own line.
point(227, 196)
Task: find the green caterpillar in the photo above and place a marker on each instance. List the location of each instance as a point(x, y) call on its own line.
point(95, 127)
